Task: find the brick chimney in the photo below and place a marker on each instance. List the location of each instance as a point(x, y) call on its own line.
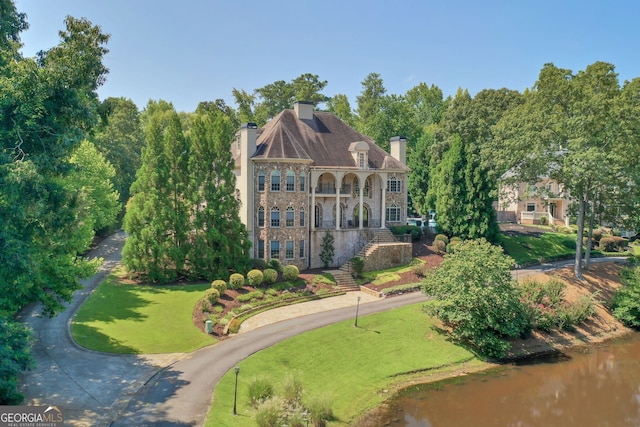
point(399, 148)
point(304, 110)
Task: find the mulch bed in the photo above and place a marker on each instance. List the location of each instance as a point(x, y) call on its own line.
point(422, 249)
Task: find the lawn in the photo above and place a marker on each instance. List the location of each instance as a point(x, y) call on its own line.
point(135, 319)
point(353, 365)
point(526, 250)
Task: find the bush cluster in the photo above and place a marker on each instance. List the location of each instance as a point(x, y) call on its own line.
point(547, 309)
point(250, 296)
point(413, 230)
point(626, 301)
point(612, 244)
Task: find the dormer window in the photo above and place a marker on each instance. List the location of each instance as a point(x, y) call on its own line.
point(360, 152)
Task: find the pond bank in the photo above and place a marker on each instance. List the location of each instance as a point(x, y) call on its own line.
point(601, 281)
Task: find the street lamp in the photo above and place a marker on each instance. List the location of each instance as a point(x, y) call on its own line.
point(357, 307)
point(235, 393)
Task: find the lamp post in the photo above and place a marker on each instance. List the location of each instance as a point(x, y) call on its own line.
point(357, 307)
point(235, 393)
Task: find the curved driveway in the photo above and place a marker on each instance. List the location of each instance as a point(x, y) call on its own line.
point(97, 389)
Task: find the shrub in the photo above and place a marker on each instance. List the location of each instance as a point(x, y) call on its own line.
point(319, 407)
point(250, 296)
point(236, 281)
point(419, 270)
point(357, 265)
point(259, 390)
point(212, 295)
point(543, 220)
point(575, 313)
point(259, 264)
point(440, 246)
point(626, 301)
point(220, 285)
point(597, 235)
point(292, 388)
point(271, 292)
point(290, 273)
point(270, 276)
point(451, 247)
point(255, 277)
point(270, 412)
point(234, 326)
point(274, 264)
point(327, 249)
point(456, 239)
point(441, 237)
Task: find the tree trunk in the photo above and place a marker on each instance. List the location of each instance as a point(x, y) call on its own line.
point(587, 255)
point(577, 267)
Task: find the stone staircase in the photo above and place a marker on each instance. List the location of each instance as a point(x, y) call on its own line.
point(343, 276)
point(344, 280)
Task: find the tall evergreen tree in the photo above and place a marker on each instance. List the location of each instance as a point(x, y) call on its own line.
point(220, 242)
point(460, 193)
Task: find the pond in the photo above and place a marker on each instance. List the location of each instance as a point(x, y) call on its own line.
point(589, 386)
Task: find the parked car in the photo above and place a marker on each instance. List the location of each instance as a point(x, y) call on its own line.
point(418, 222)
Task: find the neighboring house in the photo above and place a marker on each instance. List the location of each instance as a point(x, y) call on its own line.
point(545, 202)
point(307, 172)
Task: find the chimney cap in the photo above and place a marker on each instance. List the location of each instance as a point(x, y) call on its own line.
point(398, 138)
point(305, 103)
point(249, 125)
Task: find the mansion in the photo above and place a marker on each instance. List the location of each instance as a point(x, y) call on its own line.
point(306, 173)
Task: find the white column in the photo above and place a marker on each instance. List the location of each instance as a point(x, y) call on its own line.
point(313, 207)
point(338, 213)
point(383, 203)
point(361, 202)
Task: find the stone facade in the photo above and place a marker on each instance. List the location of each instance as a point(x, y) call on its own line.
point(305, 173)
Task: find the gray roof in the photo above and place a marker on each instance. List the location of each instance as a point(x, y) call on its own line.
point(323, 140)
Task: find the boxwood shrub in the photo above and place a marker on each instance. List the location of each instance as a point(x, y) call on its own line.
point(255, 277)
point(290, 273)
point(270, 276)
point(220, 285)
point(236, 281)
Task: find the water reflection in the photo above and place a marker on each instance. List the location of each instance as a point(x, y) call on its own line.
point(599, 386)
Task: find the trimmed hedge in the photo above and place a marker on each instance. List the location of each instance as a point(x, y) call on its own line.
point(255, 277)
point(270, 276)
point(220, 285)
point(212, 295)
point(236, 281)
point(290, 273)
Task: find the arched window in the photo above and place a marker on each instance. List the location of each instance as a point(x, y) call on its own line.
point(261, 181)
point(275, 181)
point(291, 181)
point(289, 220)
point(260, 216)
point(275, 217)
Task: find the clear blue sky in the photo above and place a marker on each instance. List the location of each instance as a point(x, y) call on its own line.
point(199, 50)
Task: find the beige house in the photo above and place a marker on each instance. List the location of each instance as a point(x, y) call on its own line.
point(545, 202)
point(307, 172)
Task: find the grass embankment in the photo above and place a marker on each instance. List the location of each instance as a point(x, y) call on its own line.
point(134, 319)
point(527, 250)
point(353, 365)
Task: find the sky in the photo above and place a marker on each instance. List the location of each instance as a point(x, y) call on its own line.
point(190, 51)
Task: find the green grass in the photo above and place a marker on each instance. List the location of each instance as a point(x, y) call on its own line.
point(380, 277)
point(527, 250)
point(354, 365)
point(132, 319)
